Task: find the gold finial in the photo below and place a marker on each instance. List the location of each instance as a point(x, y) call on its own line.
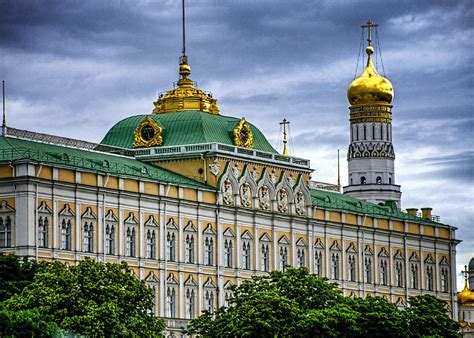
point(185, 97)
point(369, 27)
point(466, 276)
point(285, 148)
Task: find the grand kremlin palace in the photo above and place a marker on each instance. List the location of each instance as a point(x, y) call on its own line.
point(196, 201)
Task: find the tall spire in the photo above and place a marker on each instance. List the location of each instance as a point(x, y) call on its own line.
point(184, 68)
point(4, 123)
point(285, 122)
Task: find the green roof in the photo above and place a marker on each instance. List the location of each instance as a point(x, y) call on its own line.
point(335, 201)
point(14, 149)
point(183, 128)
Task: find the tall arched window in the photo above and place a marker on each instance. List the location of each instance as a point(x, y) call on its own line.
point(265, 258)
point(171, 246)
point(66, 234)
point(246, 255)
point(5, 232)
point(190, 304)
point(43, 227)
point(351, 260)
point(283, 257)
point(228, 253)
point(130, 242)
point(378, 180)
point(171, 302)
point(109, 239)
point(363, 180)
point(209, 250)
point(335, 265)
point(88, 238)
point(150, 244)
point(318, 262)
point(300, 255)
point(189, 247)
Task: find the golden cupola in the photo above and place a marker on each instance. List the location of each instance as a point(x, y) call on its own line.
point(370, 87)
point(185, 96)
point(466, 296)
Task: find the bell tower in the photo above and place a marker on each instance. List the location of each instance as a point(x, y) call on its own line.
point(371, 155)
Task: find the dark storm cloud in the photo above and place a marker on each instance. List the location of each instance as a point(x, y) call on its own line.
point(75, 68)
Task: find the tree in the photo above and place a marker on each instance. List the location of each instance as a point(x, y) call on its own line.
point(91, 298)
point(15, 274)
point(428, 316)
point(297, 304)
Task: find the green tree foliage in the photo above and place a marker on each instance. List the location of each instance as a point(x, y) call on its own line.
point(427, 317)
point(297, 304)
point(15, 274)
point(91, 298)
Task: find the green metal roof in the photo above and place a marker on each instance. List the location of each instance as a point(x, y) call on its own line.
point(332, 200)
point(183, 128)
point(14, 149)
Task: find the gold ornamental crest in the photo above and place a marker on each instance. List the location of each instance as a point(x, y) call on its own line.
point(148, 134)
point(243, 134)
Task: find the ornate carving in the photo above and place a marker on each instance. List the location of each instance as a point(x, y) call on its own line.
point(291, 181)
point(273, 178)
point(254, 174)
point(215, 168)
point(243, 134)
point(245, 195)
point(227, 193)
point(371, 149)
point(264, 198)
point(148, 134)
point(300, 203)
point(282, 200)
point(236, 171)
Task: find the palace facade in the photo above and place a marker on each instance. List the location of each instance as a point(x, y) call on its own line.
point(196, 201)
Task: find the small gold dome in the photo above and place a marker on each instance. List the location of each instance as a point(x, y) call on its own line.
point(185, 96)
point(370, 87)
point(466, 297)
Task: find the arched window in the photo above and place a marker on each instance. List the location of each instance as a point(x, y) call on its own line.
point(228, 253)
point(109, 239)
point(88, 238)
point(383, 271)
point(265, 258)
point(444, 279)
point(171, 302)
point(335, 265)
point(318, 262)
point(171, 246)
point(130, 242)
point(378, 180)
point(300, 255)
point(246, 255)
point(414, 275)
point(5, 232)
point(43, 227)
point(66, 234)
point(150, 244)
point(190, 304)
point(209, 250)
point(189, 248)
point(283, 257)
point(429, 277)
point(209, 301)
point(363, 180)
point(399, 267)
point(368, 269)
point(390, 180)
point(351, 260)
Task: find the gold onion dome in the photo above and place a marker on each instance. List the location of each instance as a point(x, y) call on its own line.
point(466, 296)
point(185, 96)
point(370, 87)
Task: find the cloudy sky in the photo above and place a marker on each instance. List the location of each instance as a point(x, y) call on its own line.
point(74, 68)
